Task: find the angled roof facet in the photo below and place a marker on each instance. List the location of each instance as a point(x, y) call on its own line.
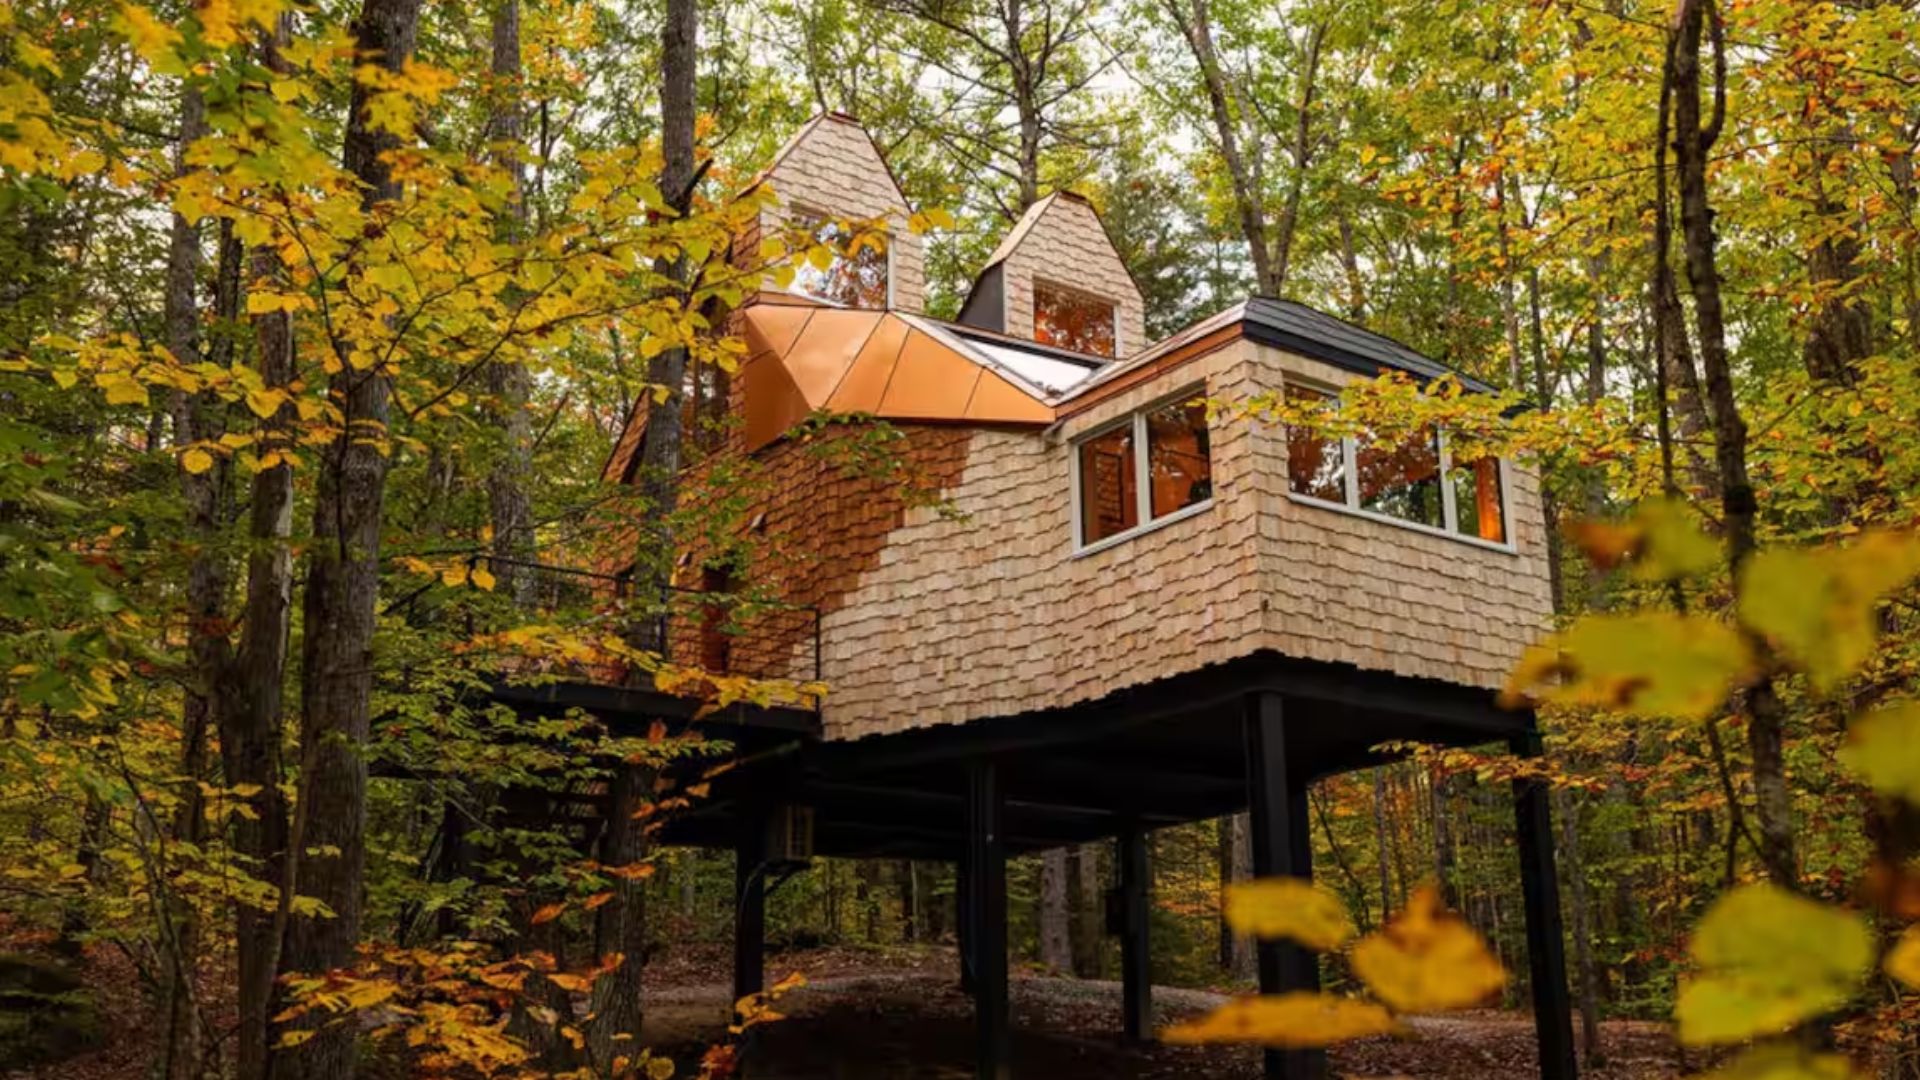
point(806, 358)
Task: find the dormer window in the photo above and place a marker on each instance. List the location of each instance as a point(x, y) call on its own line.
point(1072, 320)
point(854, 275)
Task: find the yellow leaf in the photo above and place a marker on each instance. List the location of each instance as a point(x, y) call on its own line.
point(1767, 960)
point(1785, 1061)
point(1662, 540)
point(1884, 748)
point(574, 983)
point(548, 914)
point(660, 1069)
point(1294, 908)
point(482, 578)
point(1292, 1020)
point(1427, 959)
point(265, 402)
point(1903, 960)
point(1817, 605)
point(452, 577)
point(196, 461)
point(295, 1038)
point(1653, 663)
point(121, 389)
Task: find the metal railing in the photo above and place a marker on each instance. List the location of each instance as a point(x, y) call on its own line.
point(721, 633)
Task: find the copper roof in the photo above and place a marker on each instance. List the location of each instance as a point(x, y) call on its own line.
point(803, 359)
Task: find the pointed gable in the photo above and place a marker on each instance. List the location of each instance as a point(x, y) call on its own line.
point(831, 168)
point(1057, 249)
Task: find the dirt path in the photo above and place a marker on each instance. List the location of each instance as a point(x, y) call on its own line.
point(872, 1024)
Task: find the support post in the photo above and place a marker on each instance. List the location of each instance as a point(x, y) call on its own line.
point(1136, 975)
point(987, 906)
point(1282, 847)
point(750, 908)
point(1546, 944)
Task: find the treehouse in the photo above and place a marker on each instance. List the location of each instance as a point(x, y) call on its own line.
point(1077, 604)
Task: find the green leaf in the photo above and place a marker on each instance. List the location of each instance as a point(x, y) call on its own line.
point(1817, 605)
point(1768, 960)
point(1654, 663)
point(1884, 748)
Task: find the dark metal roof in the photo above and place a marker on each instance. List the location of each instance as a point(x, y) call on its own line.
point(1298, 328)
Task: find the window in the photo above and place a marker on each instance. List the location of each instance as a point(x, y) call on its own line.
point(1109, 503)
point(855, 275)
point(1401, 480)
point(1179, 459)
point(1417, 481)
point(1072, 320)
point(1316, 465)
point(1479, 509)
point(1149, 467)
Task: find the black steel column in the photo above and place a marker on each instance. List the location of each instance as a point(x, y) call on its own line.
point(1546, 944)
point(1136, 974)
point(1282, 846)
point(987, 906)
point(750, 908)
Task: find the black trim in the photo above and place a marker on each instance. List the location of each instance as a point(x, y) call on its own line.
point(1290, 325)
point(986, 303)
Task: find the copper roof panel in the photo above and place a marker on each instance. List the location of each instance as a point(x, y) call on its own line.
point(997, 401)
point(930, 381)
point(819, 358)
point(773, 327)
point(866, 381)
point(773, 402)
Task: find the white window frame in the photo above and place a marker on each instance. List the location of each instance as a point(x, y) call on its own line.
point(792, 216)
point(1034, 281)
point(1135, 420)
point(1449, 512)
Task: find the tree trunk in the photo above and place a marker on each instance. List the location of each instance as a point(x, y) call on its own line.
point(1382, 831)
point(1196, 26)
point(196, 419)
point(1586, 974)
point(1090, 911)
point(509, 384)
point(342, 585)
point(1692, 141)
point(1056, 943)
point(621, 925)
point(250, 710)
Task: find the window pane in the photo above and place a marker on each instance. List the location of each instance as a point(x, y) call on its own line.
point(857, 275)
point(1179, 456)
point(1477, 508)
point(1072, 320)
point(1316, 466)
point(1109, 502)
point(1402, 481)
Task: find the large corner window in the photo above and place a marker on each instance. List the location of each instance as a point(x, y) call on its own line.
point(1148, 467)
point(1416, 480)
point(1073, 320)
point(854, 275)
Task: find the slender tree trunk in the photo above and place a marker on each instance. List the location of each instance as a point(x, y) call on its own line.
point(1692, 141)
point(1381, 832)
point(196, 419)
point(1586, 973)
point(1056, 944)
point(250, 711)
point(1089, 923)
point(509, 384)
point(342, 585)
point(1196, 25)
point(623, 920)
point(1445, 858)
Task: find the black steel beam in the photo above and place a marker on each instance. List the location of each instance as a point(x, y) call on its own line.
point(1546, 944)
point(1136, 974)
point(1277, 811)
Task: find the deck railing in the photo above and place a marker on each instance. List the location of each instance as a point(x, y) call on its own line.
point(723, 633)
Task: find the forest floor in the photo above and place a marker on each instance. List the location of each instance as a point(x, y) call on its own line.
point(865, 1015)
